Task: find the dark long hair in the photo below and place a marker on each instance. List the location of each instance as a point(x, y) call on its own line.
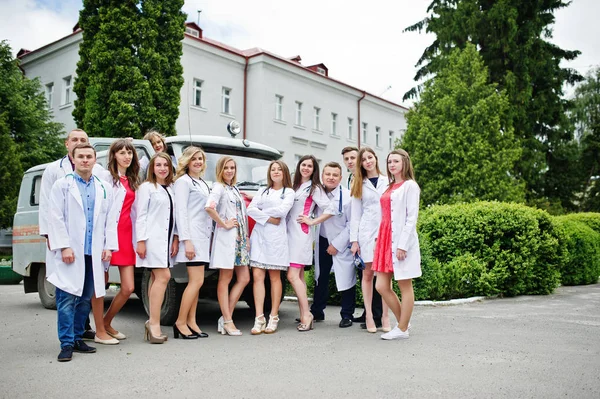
point(287, 180)
point(132, 172)
point(315, 180)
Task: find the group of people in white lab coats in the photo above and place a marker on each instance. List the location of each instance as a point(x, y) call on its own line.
point(94, 218)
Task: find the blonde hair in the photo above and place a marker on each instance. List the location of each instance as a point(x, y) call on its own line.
point(183, 162)
point(287, 179)
point(151, 177)
point(153, 134)
point(360, 173)
point(220, 169)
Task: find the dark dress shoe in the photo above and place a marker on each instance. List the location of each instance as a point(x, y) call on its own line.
point(345, 323)
point(360, 319)
point(177, 334)
point(82, 347)
point(364, 325)
point(198, 334)
point(66, 354)
point(88, 335)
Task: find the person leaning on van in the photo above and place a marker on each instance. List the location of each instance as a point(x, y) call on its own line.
point(53, 172)
point(157, 241)
point(82, 232)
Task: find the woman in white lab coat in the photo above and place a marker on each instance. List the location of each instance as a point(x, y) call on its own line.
point(122, 175)
point(397, 253)
point(367, 187)
point(269, 242)
point(194, 227)
point(309, 193)
point(230, 248)
point(157, 240)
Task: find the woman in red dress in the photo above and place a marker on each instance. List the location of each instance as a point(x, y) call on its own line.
point(397, 252)
point(123, 175)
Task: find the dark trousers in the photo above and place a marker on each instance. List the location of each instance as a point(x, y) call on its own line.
point(321, 293)
point(376, 305)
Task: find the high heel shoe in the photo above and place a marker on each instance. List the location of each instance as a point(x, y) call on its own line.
point(371, 330)
point(151, 338)
point(220, 325)
point(273, 323)
point(177, 333)
point(199, 334)
point(259, 325)
point(308, 326)
point(225, 330)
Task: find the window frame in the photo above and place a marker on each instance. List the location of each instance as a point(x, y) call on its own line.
point(226, 101)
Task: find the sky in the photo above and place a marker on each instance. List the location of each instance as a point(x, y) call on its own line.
point(361, 42)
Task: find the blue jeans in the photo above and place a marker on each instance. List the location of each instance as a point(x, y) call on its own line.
point(73, 310)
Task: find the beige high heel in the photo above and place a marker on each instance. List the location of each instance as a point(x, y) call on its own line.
point(259, 325)
point(308, 326)
point(227, 331)
point(273, 324)
point(151, 338)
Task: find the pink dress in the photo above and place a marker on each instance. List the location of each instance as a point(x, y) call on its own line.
point(382, 259)
point(125, 256)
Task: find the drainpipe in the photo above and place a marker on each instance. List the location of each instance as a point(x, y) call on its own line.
point(244, 136)
point(358, 127)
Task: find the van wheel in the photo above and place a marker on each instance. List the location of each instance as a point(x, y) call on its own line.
point(170, 306)
point(46, 291)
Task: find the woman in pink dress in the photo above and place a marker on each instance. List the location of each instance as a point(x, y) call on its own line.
point(397, 252)
point(123, 176)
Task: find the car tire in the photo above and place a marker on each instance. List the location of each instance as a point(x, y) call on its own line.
point(46, 291)
point(170, 306)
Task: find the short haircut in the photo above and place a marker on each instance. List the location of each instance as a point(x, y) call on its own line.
point(83, 147)
point(332, 165)
point(73, 131)
point(348, 149)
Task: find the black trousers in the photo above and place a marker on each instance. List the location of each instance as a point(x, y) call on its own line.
point(376, 305)
point(321, 292)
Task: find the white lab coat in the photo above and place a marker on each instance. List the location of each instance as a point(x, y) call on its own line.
point(405, 211)
point(269, 242)
point(337, 232)
point(152, 224)
point(54, 171)
point(193, 223)
point(67, 227)
point(366, 217)
point(301, 243)
point(119, 193)
point(223, 199)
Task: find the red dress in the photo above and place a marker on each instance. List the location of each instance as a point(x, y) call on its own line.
point(382, 259)
point(125, 256)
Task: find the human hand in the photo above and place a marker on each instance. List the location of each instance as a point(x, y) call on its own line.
point(106, 255)
point(305, 219)
point(230, 224)
point(190, 252)
point(141, 249)
point(331, 250)
point(67, 255)
point(274, 221)
point(400, 254)
point(175, 246)
point(355, 248)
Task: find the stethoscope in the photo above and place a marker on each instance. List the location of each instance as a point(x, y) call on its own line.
point(195, 183)
point(62, 160)
point(97, 179)
point(282, 196)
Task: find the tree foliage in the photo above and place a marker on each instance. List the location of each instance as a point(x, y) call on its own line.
point(511, 38)
point(28, 136)
point(460, 138)
point(129, 74)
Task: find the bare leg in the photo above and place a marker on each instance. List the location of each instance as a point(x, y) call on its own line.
point(127, 287)
point(390, 299)
point(189, 299)
point(191, 320)
point(225, 276)
point(276, 290)
point(299, 286)
point(98, 313)
point(242, 278)
point(408, 303)
point(367, 289)
point(258, 287)
point(157, 296)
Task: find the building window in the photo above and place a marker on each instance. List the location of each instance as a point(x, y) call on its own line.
point(278, 107)
point(49, 94)
point(317, 122)
point(377, 129)
point(350, 128)
point(321, 71)
point(226, 100)
point(391, 138)
point(364, 132)
point(334, 124)
point(66, 98)
point(298, 113)
point(198, 93)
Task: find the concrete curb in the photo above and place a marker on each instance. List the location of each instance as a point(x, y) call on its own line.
point(451, 302)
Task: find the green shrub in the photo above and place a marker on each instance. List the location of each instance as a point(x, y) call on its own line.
point(582, 243)
point(590, 219)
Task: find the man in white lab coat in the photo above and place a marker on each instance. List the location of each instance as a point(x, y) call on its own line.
point(54, 171)
point(82, 234)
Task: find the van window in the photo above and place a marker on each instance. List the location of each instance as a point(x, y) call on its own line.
point(34, 197)
point(101, 147)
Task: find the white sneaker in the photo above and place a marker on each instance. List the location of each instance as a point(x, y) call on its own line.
point(396, 333)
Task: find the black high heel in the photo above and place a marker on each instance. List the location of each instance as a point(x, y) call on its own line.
point(177, 333)
point(198, 334)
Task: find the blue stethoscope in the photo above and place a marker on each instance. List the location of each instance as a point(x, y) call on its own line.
point(195, 183)
point(95, 177)
point(282, 196)
point(62, 160)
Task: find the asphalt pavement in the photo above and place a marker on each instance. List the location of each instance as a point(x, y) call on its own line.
point(523, 347)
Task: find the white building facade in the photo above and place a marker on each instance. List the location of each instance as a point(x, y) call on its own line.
point(296, 109)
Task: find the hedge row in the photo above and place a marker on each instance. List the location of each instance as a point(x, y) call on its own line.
point(492, 248)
